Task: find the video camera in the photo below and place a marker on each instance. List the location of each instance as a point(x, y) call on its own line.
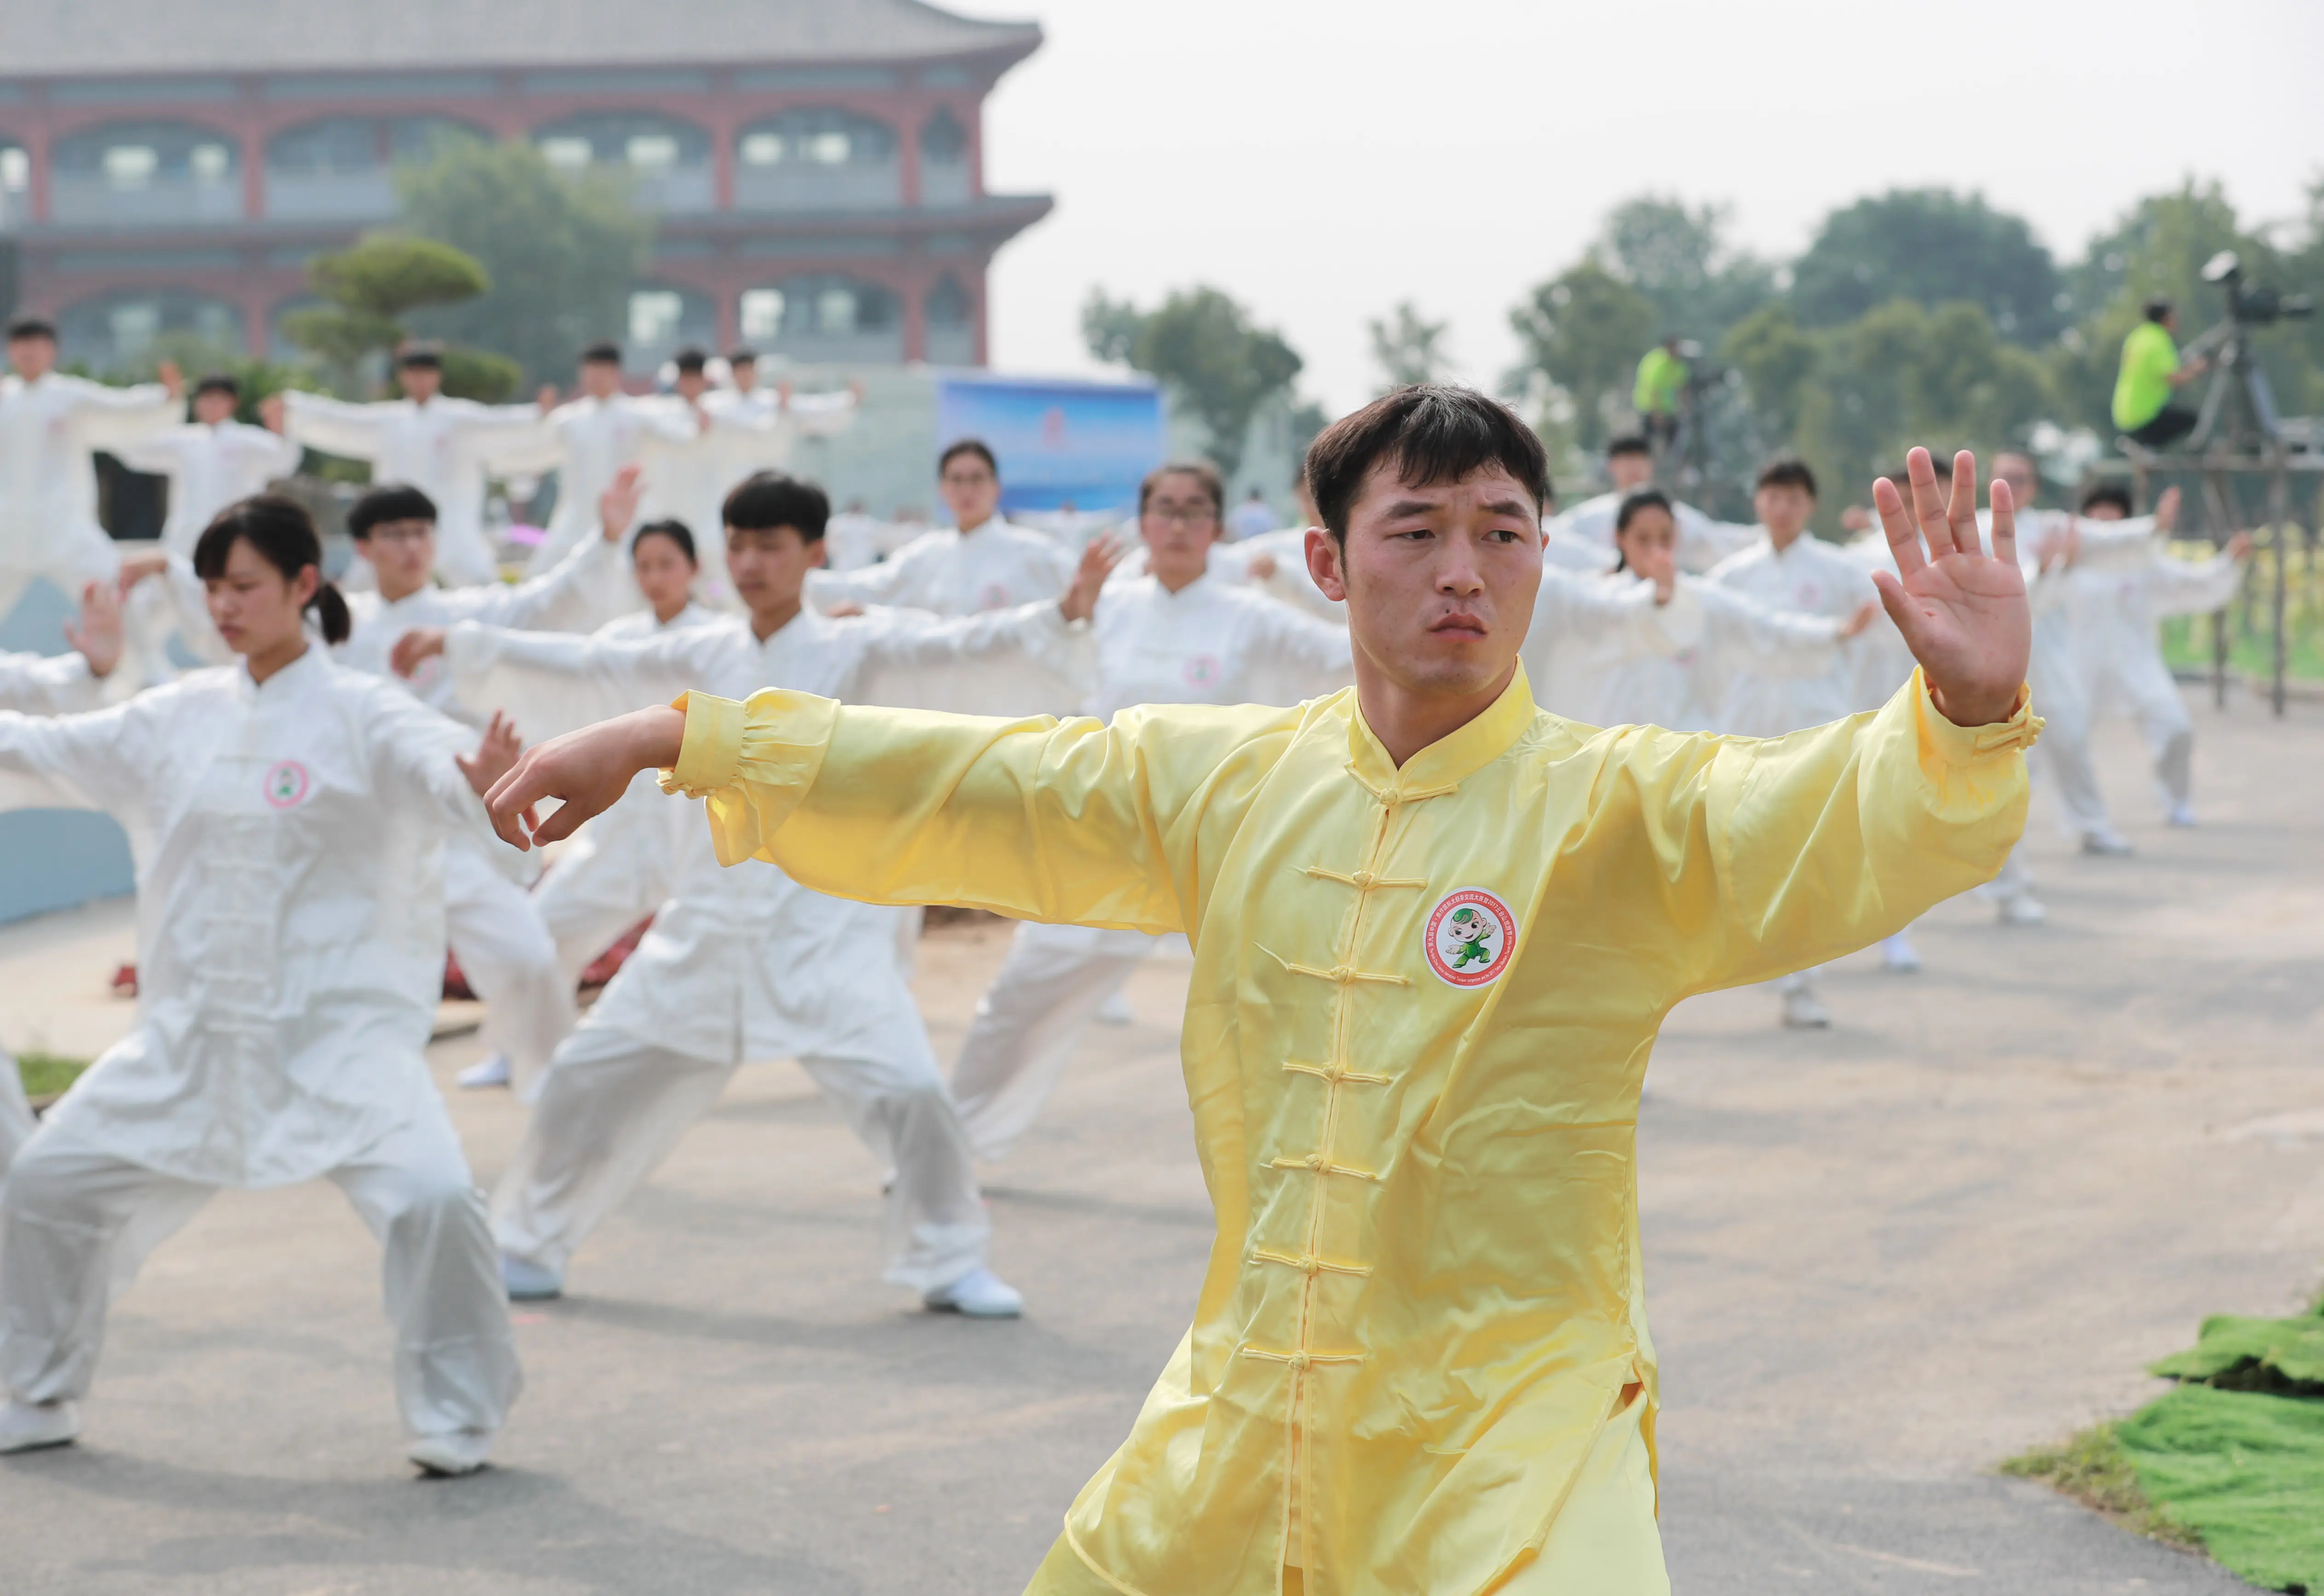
point(2253, 304)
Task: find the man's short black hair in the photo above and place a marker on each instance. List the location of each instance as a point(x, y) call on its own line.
point(602, 354)
point(1431, 432)
point(1787, 471)
point(32, 326)
point(2158, 307)
point(220, 382)
point(425, 357)
point(969, 446)
point(1628, 443)
point(394, 501)
point(675, 530)
point(2108, 493)
point(766, 500)
point(691, 361)
point(745, 355)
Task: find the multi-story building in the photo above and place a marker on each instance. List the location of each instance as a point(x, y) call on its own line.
point(815, 167)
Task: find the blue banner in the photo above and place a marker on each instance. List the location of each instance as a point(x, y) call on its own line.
point(1061, 444)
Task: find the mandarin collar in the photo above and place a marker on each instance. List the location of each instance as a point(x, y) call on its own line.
point(1450, 760)
point(289, 682)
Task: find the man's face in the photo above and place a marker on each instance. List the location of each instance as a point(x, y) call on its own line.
point(2024, 480)
point(1783, 509)
point(420, 383)
point(213, 407)
point(2171, 322)
point(1649, 544)
point(1179, 524)
point(970, 489)
point(1631, 469)
point(746, 376)
point(664, 573)
point(600, 379)
point(692, 386)
point(402, 554)
point(33, 358)
point(770, 567)
point(1439, 580)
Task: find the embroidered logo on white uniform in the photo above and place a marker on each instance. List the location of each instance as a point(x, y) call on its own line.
point(1469, 937)
point(995, 596)
point(286, 784)
point(1204, 670)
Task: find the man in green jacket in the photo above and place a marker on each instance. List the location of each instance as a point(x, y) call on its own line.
point(2151, 375)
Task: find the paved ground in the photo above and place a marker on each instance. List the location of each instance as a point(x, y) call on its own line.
point(1878, 1260)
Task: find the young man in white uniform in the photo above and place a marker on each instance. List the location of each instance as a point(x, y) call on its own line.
point(743, 964)
point(51, 427)
point(448, 448)
point(599, 431)
point(496, 932)
point(1702, 542)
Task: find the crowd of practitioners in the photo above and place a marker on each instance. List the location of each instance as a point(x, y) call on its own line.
point(304, 818)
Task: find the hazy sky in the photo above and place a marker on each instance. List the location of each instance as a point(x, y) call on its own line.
point(1322, 161)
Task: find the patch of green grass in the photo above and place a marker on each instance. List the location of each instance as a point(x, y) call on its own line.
point(2095, 1470)
point(2244, 1470)
point(47, 1074)
point(2187, 646)
point(2284, 1356)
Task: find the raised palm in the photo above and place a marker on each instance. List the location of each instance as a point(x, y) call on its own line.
point(1961, 608)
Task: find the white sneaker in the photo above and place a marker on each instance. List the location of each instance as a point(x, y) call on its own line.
point(1116, 1011)
point(1802, 1012)
point(450, 1456)
point(2181, 815)
point(28, 1426)
point(2024, 909)
point(980, 1293)
point(488, 1072)
point(2108, 844)
point(527, 1281)
point(1898, 957)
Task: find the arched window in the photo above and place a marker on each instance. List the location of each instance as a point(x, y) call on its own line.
point(147, 173)
point(121, 332)
point(944, 174)
point(16, 183)
point(827, 319)
point(665, 160)
point(817, 159)
point(339, 168)
point(952, 323)
point(663, 319)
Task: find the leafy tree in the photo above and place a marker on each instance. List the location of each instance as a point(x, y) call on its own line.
point(1681, 260)
point(1931, 246)
point(1777, 360)
point(562, 251)
point(1582, 332)
point(1202, 345)
point(371, 288)
point(1409, 347)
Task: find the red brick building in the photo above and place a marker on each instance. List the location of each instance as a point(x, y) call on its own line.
point(815, 167)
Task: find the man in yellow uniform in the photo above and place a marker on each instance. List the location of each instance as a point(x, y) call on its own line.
point(1661, 377)
point(1435, 931)
point(2149, 375)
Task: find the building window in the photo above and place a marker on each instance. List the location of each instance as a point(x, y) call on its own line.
point(762, 315)
point(566, 155)
point(818, 159)
point(948, 304)
point(655, 316)
point(128, 167)
point(825, 318)
point(943, 140)
point(121, 333)
point(819, 138)
point(667, 159)
point(420, 139)
point(15, 170)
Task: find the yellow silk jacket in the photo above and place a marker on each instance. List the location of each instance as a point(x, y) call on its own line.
point(1422, 1004)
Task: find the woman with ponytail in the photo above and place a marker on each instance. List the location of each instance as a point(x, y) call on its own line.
point(289, 820)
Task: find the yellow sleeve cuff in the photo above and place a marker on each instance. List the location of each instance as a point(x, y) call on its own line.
point(710, 757)
point(1962, 745)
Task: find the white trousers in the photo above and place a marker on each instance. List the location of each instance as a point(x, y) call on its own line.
point(77, 1221)
point(1050, 987)
point(590, 896)
point(17, 1121)
point(510, 963)
point(2144, 686)
point(614, 1104)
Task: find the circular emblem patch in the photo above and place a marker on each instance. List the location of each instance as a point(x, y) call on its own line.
point(995, 596)
point(1204, 670)
point(286, 784)
point(1469, 937)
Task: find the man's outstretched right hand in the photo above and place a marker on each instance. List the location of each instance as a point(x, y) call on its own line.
point(585, 771)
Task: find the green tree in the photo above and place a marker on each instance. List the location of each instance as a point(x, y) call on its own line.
point(1777, 361)
point(562, 251)
point(1680, 259)
point(1582, 332)
point(370, 290)
point(1931, 246)
point(1408, 347)
point(1203, 346)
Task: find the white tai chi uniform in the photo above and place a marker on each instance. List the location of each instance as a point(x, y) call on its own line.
point(1702, 541)
point(1810, 578)
point(2115, 599)
point(496, 932)
point(50, 430)
point(595, 437)
point(209, 468)
point(743, 963)
point(36, 684)
point(621, 865)
point(1721, 634)
point(1207, 644)
point(291, 949)
point(1585, 626)
point(448, 448)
